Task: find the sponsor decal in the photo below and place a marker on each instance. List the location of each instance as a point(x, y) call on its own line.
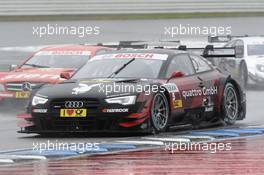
point(200, 92)
point(115, 110)
point(171, 87)
point(30, 76)
point(73, 113)
point(82, 88)
point(132, 55)
point(6, 95)
point(177, 104)
point(40, 110)
point(64, 52)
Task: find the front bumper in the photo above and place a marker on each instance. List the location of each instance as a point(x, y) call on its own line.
point(98, 119)
point(97, 123)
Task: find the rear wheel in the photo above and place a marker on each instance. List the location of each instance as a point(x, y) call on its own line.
point(230, 105)
point(159, 113)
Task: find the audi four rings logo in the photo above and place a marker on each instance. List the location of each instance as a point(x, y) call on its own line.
point(74, 104)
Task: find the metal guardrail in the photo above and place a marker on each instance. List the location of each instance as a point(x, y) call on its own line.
point(79, 7)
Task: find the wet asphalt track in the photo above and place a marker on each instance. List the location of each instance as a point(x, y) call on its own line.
point(20, 34)
point(246, 157)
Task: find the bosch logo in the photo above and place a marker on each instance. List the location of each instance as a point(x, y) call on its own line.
point(26, 86)
point(74, 104)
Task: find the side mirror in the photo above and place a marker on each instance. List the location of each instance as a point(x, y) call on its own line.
point(176, 74)
point(239, 51)
point(12, 67)
point(65, 75)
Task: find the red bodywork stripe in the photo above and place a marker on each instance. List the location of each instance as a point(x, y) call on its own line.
point(24, 116)
point(144, 113)
point(141, 117)
point(24, 123)
point(133, 123)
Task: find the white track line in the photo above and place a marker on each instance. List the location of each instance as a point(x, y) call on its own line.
point(198, 137)
point(21, 49)
point(168, 139)
point(6, 161)
point(141, 142)
point(27, 157)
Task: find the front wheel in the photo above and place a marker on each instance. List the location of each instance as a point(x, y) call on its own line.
point(159, 113)
point(230, 105)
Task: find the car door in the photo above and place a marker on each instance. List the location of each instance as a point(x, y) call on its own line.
point(209, 81)
point(188, 85)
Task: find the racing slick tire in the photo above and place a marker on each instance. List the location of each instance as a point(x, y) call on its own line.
point(243, 74)
point(230, 105)
point(159, 113)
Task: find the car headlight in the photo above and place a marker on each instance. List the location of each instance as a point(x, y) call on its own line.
point(260, 67)
point(38, 100)
point(125, 100)
point(2, 87)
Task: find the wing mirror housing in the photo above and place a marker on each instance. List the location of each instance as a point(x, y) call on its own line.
point(65, 75)
point(176, 74)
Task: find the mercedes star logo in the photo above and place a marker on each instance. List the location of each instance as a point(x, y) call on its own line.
point(26, 86)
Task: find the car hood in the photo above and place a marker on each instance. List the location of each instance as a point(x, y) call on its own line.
point(95, 88)
point(40, 75)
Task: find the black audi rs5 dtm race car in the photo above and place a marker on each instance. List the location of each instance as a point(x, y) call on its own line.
point(148, 90)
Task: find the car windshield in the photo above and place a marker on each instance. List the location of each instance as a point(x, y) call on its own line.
point(134, 68)
point(256, 49)
point(44, 60)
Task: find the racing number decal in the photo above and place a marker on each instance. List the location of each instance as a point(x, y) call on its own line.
point(73, 113)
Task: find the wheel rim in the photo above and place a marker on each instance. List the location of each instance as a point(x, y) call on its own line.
point(159, 112)
point(231, 103)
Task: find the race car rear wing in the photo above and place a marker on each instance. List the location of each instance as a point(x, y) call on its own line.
point(226, 38)
point(140, 44)
point(208, 52)
point(213, 52)
point(124, 44)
